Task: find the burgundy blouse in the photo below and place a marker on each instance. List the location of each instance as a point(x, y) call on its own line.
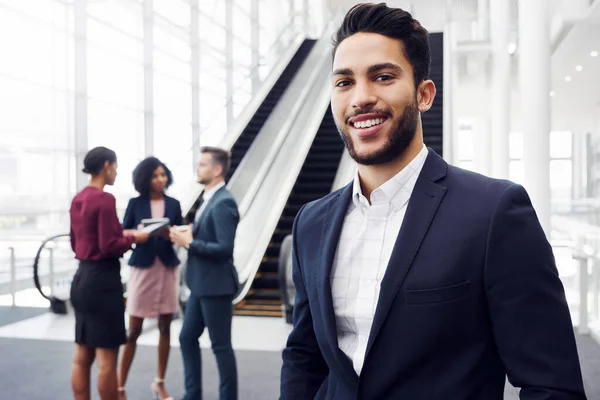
point(96, 232)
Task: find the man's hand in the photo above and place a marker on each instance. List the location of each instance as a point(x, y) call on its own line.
point(181, 238)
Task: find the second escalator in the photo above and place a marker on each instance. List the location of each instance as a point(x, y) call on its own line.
point(245, 140)
point(314, 181)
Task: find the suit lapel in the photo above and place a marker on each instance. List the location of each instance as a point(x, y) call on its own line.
point(167, 213)
point(330, 234)
point(422, 206)
point(209, 205)
point(146, 209)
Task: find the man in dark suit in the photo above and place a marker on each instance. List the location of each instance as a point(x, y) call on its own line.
point(211, 277)
point(418, 280)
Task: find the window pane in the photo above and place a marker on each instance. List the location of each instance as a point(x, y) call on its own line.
point(115, 79)
point(113, 41)
point(241, 25)
point(466, 165)
point(127, 16)
point(172, 44)
point(516, 172)
point(515, 145)
point(561, 178)
point(212, 35)
point(36, 137)
point(176, 11)
point(121, 130)
point(32, 50)
point(465, 144)
point(560, 144)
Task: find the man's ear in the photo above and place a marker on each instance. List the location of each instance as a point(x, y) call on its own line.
point(425, 95)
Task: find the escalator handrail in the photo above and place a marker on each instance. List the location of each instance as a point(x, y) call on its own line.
point(251, 242)
point(304, 81)
point(36, 260)
point(284, 272)
point(189, 193)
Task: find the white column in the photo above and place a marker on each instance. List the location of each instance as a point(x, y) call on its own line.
point(483, 18)
point(305, 19)
point(81, 95)
point(255, 43)
point(148, 77)
point(291, 12)
point(534, 74)
point(229, 59)
point(483, 148)
point(500, 92)
point(195, 79)
point(579, 162)
point(450, 78)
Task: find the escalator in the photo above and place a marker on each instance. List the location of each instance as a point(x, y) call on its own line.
point(314, 181)
point(433, 120)
point(245, 140)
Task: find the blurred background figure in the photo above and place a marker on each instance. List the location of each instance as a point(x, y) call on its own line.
point(152, 285)
point(211, 277)
point(98, 241)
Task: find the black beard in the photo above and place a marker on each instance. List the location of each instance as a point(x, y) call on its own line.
point(397, 143)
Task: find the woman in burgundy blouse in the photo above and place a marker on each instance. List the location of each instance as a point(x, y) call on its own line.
point(98, 241)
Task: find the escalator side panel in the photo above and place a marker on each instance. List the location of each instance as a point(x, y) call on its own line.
point(245, 140)
point(314, 181)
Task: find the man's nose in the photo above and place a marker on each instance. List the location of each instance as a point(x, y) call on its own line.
point(363, 96)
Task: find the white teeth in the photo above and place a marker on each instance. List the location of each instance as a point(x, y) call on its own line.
point(368, 123)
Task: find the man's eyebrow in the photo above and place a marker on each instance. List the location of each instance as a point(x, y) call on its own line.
point(343, 71)
point(388, 65)
point(372, 69)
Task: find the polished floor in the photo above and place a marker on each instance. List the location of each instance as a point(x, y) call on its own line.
point(37, 346)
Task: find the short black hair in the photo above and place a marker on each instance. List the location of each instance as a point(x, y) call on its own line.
point(144, 171)
point(220, 157)
point(95, 158)
point(394, 23)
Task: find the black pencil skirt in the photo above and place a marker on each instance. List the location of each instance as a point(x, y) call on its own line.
point(97, 298)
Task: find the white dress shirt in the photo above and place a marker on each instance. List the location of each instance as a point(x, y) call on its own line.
point(363, 252)
point(208, 194)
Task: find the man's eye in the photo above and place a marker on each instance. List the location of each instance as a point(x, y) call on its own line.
point(342, 83)
point(382, 78)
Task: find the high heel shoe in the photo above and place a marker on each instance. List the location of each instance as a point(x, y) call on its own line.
point(155, 386)
point(122, 394)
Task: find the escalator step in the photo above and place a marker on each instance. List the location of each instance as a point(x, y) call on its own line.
point(266, 280)
point(264, 294)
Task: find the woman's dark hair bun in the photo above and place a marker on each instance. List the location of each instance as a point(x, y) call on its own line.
point(95, 158)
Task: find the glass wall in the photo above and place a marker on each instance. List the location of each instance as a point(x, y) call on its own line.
point(561, 159)
point(136, 57)
point(37, 90)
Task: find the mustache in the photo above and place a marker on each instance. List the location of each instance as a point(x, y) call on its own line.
point(369, 110)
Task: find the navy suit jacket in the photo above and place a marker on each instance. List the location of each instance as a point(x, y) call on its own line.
point(210, 270)
point(144, 254)
point(471, 294)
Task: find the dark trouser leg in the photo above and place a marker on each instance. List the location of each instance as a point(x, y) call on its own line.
point(193, 326)
point(218, 312)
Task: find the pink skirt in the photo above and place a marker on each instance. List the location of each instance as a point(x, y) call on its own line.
point(152, 291)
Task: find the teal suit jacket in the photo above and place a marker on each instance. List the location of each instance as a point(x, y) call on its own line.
point(210, 270)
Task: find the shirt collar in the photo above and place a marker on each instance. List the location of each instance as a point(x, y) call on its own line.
point(390, 191)
point(208, 194)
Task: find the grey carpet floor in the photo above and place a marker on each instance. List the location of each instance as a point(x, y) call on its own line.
point(40, 370)
point(10, 315)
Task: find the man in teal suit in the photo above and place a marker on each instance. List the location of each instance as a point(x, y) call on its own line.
point(211, 277)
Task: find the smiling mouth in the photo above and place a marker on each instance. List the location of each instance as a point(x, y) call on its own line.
point(368, 123)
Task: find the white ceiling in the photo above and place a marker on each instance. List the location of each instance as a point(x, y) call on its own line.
point(431, 14)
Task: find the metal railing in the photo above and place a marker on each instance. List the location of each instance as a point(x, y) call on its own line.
point(49, 271)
